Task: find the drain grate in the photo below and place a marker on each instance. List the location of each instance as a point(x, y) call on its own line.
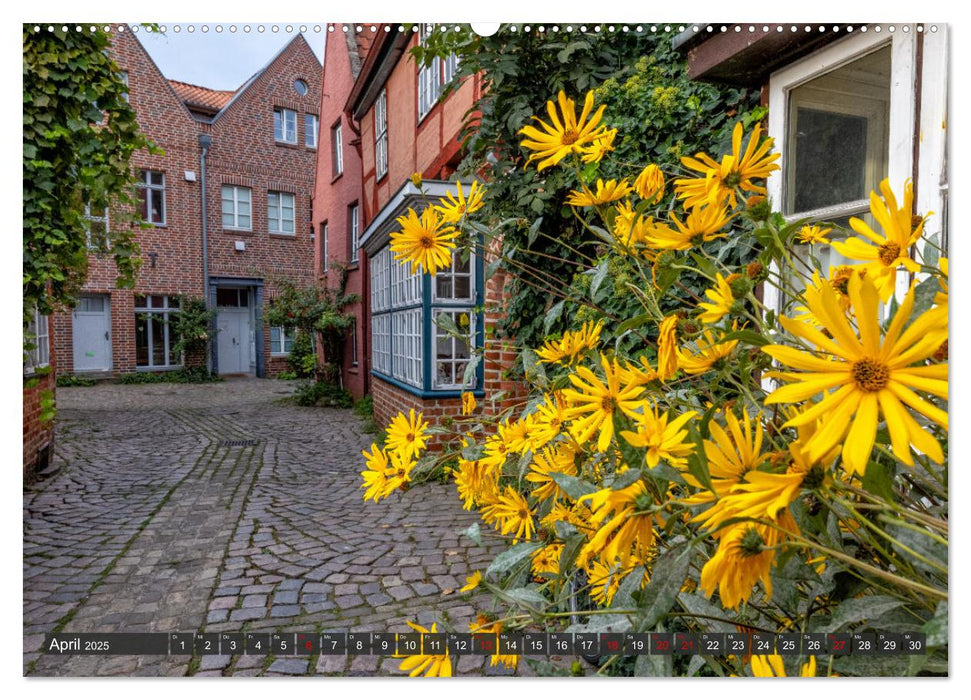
point(239, 443)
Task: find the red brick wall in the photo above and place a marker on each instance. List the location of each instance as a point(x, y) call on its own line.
point(38, 434)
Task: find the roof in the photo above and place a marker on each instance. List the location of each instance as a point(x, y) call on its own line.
point(383, 53)
point(201, 99)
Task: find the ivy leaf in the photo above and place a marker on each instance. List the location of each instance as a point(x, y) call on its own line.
point(571, 549)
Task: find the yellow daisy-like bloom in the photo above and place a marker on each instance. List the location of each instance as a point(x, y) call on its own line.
point(407, 435)
point(863, 376)
point(576, 514)
point(605, 193)
point(454, 207)
point(662, 439)
point(601, 147)
point(667, 348)
point(426, 242)
point(546, 560)
point(650, 184)
point(483, 625)
point(476, 482)
point(639, 373)
point(496, 450)
point(511, 514)
point(604, 582)
point(516, 435)
point(625, 528)
point(573, 344)
point(375, 479)
point(718, 181)
point(555, 460)
point(758, 495)
point(941, 297)
point(565, 134)
point(731, 454)
point(468, 403)
point(472, 582)
point(709, 352)
point(744, 558)
point(701, 225)
point(595, 402)
point(813, 234)
point(431, 665)
point(398, 472)
point(886, 253)
point(721, 301)
point(631, 230)
point(415, 179)
point(549, 419)
point(771, 666)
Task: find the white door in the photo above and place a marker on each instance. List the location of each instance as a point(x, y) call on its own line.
point(233, 341)
point(92, 333)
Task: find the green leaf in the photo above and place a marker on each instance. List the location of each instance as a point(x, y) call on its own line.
point(534, 231)
point(878, 480)
point(529, 598)
point(936, 627)
point(571, 548)
point(696, 604)
point(599, 275)
point(468, 377)
point(553, 315)
point(746, 336)
point(511, 557)
point(626, 479)
point(572, 486)
point(473, 532)
point(654, 666)
point(669, 573)
point(635, 322)
point(854, 610)
point(924, 296)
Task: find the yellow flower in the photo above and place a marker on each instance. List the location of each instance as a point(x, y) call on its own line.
point(375, 480)
point(625, 529)
point(549, 419)
point(577, 515)
point(862, 376)
point(595, 402)
point(667, 348)
point(565, 134)
point(718, 181)
point(483, 625)
point(744, 558)
point(398, 472)
point(516, 435)
point(454, 207)
point(941, 297)
point(601, 147)
point(640, 373)
point(721, 301)
point(758, 495)
point(606, 192)
point(556, 460)
point(650, 184)
point(425, 242)
point(771, 667)
point(416, 179)
point(546, 560)
point(663, 440)
point(604, 582)
point(701, 225)
point(511, 514)
point(731, 454)
point(631, 230)
point(476, 482)
point(429, 664)
point(407, 436)
point(468, 403)
point(573, 344)
point(813, 234)
point(709, 352)
point(472, 582)
point(886, 253)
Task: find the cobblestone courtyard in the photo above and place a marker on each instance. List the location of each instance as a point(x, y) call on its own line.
point(212, 508)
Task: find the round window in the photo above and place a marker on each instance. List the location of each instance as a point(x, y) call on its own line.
point(300, 86)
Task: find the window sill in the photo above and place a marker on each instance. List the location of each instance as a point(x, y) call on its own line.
point(279, 354)
point(165, 368)
point(237, 231)
point(287, 144)
point(287, 236)
point(422, 394)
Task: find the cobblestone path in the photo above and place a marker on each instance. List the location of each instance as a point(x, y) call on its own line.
point(218, 508)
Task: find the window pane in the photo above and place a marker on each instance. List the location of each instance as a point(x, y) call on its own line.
point(158, 337)
point(278, 125)
point(141, 340)
point(141, 301)
point(143, 204)
point(158, 179)
point(840, 141)
point(463, 287)
point(173, 302)
point(158, 212)
point(227, 297)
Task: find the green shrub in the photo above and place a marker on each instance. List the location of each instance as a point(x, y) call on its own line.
point(74, 380)
point(322, 394)
point(186, 375)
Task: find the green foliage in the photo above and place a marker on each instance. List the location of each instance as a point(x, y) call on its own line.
point(660, 114)
point(322, 394)
point(287, 375)
point(186, 375)
point(48, 407)
point(74, 380)
point(303, 357)
point(191, 325)
point(79, 134)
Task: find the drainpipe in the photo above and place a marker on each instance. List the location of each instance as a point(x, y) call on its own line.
point(205, 141)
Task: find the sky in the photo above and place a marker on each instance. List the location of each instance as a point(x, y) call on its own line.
point(222, 60)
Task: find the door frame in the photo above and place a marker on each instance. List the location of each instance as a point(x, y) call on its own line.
point(255, 287)
point(109, 355)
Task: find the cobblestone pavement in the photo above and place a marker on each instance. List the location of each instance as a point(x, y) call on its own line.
point(157, 523)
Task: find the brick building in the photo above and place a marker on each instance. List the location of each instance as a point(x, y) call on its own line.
point(394, 122)
point(249, 154)
point(39, 386)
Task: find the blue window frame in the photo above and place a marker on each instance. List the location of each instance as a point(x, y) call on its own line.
point(409, 349)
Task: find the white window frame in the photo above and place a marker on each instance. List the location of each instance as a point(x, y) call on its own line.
point(380, 281)
point(407, 361)
point(354, 226)
point(902, 109)
point(285, 336)
point(429, 77)
point(337, 149)
point(324, 245)
point(91, 219)
point(450, 272)
point(437, 333)
point(381, 342)
point(381, 135)
point(354, 362)
point(40, 355)
point(285, 118)
point(310, 134)
point(168, 341)
point(279, 220)
point(236, 201)
point(145, 183)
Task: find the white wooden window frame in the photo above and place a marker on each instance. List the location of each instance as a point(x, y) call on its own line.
point(452, 275)
point(380, 282)
point(167, 339)
point(235, 199)
point(354, 223)
point(354, 362)
point(324, 245)
point(310, 130)
point(381, 135)
point(282, 344)
point(407, 360)
point(437, 334)
point(92, 219)
point(381, 342)
point(40, 355)
point(284, 119)
point(280, 220)
point(429, 77)
point(337, 146)
point(902, 109)
point(405, 284)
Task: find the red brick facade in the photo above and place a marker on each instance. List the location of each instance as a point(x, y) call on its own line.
point(243, 152)
point(38, 434)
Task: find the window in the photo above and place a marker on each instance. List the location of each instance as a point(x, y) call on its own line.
point(381, 343)
point(381, 135)
point(285, 125)
point(281, 340)
point(432, 78)
point(324, 246)
point(96, 225)
point(151, 196)
point(237, 209)
point(456, 282)
point(310, 130)
point(280, 213)
point(452, 354)
point(38, 334)
point(354, 345)
point(407, 346)
point(337, 149)
point(154, 338)
point(380, 281)
point(354, 229)
point(124, 79)
point(300, 86)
